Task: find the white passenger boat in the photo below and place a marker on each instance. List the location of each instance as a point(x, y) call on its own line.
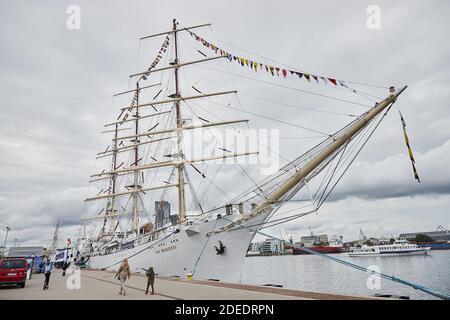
point(398, 248)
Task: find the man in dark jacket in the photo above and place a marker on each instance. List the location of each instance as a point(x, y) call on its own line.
point(65, 265)
point(150, 279)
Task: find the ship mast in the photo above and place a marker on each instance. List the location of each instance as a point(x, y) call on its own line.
point(180, 166)
point(112, 207)
point(178, 158)
point(135, 218)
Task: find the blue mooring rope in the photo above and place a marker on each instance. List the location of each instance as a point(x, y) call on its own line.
point(355, 266)
point(203, 249)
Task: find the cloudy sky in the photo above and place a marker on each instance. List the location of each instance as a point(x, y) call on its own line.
point(56, 86)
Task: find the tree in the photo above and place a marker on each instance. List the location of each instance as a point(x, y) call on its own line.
point(391, 241)
point(423, 238)
point(368, 243)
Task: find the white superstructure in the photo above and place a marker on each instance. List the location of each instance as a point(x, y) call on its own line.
point(399, 247)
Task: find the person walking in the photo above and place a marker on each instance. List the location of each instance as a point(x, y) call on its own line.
point(64, 267)
point(150, 279)
point(122, 274)
point(48, 267)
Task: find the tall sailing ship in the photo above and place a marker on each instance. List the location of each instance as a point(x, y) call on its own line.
point(148, 161)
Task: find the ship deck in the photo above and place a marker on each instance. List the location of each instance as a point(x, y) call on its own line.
point(99, 285)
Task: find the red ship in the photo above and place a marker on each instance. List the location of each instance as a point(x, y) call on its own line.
point(322, 249)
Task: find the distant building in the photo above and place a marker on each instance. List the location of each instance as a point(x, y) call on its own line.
point(162, 213)
point(25, 252)
point(271, 246)
point(255, 247)
point(311, 240)
point(436, 235)
point(267, 247)
point(173, 219)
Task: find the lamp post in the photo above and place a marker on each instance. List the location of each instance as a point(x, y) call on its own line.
point(15, 242)
point(6, 238)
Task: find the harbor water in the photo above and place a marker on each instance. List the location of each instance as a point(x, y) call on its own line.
point(314, 273)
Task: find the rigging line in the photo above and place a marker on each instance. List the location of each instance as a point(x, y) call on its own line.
point(195, 200)
point(324, 177)
point(367, 96)
point(359, 138)
point(157, 147)
point(291, 218)
point(272, 223)
point(311, 137)
point(282, 63)
point(284, 219)
point(211, 182)
point(342, 151)
point(270, 118)
point(287, 197)
point(265, 147)
point(344, 87)
point(293, 164)
point(144, 209)
point(224, 194)
point(366, 93)
point(360, 149)
point(241, 168)
point(330, 165)
point(286, 87)
point(254, 182)
point(297, 106)
point(168, 119)
point(368, 85)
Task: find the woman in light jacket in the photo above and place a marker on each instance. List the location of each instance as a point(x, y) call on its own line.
point(122, 274)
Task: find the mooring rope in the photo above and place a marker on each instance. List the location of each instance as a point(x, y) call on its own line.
point(204, 246)
point(355, 266)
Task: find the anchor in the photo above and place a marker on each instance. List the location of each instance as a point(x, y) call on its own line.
point(221, 248)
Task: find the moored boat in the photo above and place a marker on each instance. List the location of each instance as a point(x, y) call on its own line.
point(398, 248)
point(321, 249)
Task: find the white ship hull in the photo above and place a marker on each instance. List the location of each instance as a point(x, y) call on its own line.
point(177, 255)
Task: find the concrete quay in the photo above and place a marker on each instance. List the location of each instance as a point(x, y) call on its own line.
point(101, 285)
